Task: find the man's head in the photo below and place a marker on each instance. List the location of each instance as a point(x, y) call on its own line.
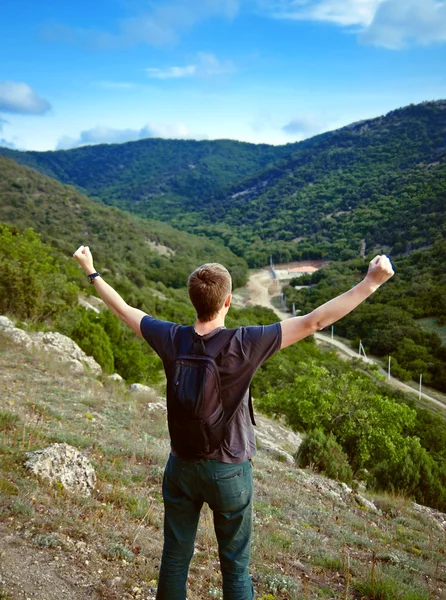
point(209, 289)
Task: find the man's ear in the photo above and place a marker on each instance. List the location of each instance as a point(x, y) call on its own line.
point(228, 301)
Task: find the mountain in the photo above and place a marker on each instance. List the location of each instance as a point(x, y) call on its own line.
point(152, 177)
point(381, 180)
point(144, 251)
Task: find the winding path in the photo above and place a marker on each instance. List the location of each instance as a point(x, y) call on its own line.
point(258, 287)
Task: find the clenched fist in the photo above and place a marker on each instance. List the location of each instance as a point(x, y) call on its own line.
point(85, 259)
point(380, 270)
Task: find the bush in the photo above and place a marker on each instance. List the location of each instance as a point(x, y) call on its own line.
point(32, 285)
point(326, 455)
point(93, 340)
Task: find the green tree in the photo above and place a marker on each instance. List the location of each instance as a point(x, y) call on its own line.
point(32, 284)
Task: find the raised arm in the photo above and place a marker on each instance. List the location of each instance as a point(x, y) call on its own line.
point(297, 328)
point(127, 314)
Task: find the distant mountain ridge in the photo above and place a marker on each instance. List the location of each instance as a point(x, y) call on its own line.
point(381, 180)
point(158, 172)
point(141, 250)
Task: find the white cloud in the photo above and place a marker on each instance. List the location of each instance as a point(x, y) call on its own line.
point(172, 72)
point(206, 65)
point(398, 23)
point(340, 12)
point(110, 135)
point(163, 25)
point(389, 23)
point(16, 97)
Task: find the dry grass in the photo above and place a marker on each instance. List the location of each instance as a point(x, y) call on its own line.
point(305, 544)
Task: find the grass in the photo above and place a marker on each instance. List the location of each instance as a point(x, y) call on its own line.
point(305, 544)
point(379, 585)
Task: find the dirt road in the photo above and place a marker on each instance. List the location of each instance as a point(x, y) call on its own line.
point(260, 290)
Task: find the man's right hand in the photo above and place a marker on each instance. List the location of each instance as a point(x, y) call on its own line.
point(85, 259)
point(380, 270)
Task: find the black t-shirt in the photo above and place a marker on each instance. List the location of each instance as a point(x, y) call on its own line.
point(249, 348)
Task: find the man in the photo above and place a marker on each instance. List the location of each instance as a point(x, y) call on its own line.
point(223, 478)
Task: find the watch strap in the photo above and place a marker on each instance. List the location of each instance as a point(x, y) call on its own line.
point(93, 276)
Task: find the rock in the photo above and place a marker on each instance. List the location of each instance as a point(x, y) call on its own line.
point(5, 323)
point(60, 346)
point(438, 518)
point(337, 491)
point(157, 407)
point(61, 463)
point(18, 336)
point(139, 388)
point(361, 501)
point(86, 304)
point(68, 351)
point(116, 377)
point(272, 437)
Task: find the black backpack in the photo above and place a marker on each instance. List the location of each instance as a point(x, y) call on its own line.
point(197, 420)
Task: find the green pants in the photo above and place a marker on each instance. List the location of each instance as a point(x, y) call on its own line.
point(227, 488)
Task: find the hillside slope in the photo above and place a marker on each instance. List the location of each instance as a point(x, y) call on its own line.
point(312, 537)
point(145, 252)
point(152, 177)
point(382, 180)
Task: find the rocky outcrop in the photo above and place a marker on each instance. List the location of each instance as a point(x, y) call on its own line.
point(275, 439)
point(435, 516)
point(157, 407)
point(61, 347)
point(61, 463)
point(340, 493)
point(139, 388)
point(116, 377)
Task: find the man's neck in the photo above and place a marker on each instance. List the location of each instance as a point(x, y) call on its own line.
point(205, 327)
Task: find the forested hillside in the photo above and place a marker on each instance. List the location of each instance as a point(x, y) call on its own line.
point(148, 262)
point(381, 180)
point(154, 177)
point(390, 323)
point(129, 247)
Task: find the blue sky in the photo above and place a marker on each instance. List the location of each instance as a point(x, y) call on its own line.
point(263, 71)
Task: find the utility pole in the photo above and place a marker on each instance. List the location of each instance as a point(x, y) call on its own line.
point(361, 349)
point(283, 302)
point(294, 309)
point(332, 331)
point(388, 370)
point(421, 382)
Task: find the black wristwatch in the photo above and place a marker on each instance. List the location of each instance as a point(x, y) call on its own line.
point(93, 276)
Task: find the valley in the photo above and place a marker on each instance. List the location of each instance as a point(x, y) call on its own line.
point(153, 210)
point(262, 289)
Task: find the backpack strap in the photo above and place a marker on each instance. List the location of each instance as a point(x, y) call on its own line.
point(218, 342)
point(251, 408)
point(187, 342)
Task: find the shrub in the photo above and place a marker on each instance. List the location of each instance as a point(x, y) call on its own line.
point(93, 340)
point(326, 455)
point(32, 285)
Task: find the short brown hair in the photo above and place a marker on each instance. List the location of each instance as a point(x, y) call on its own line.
point(208, 288)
